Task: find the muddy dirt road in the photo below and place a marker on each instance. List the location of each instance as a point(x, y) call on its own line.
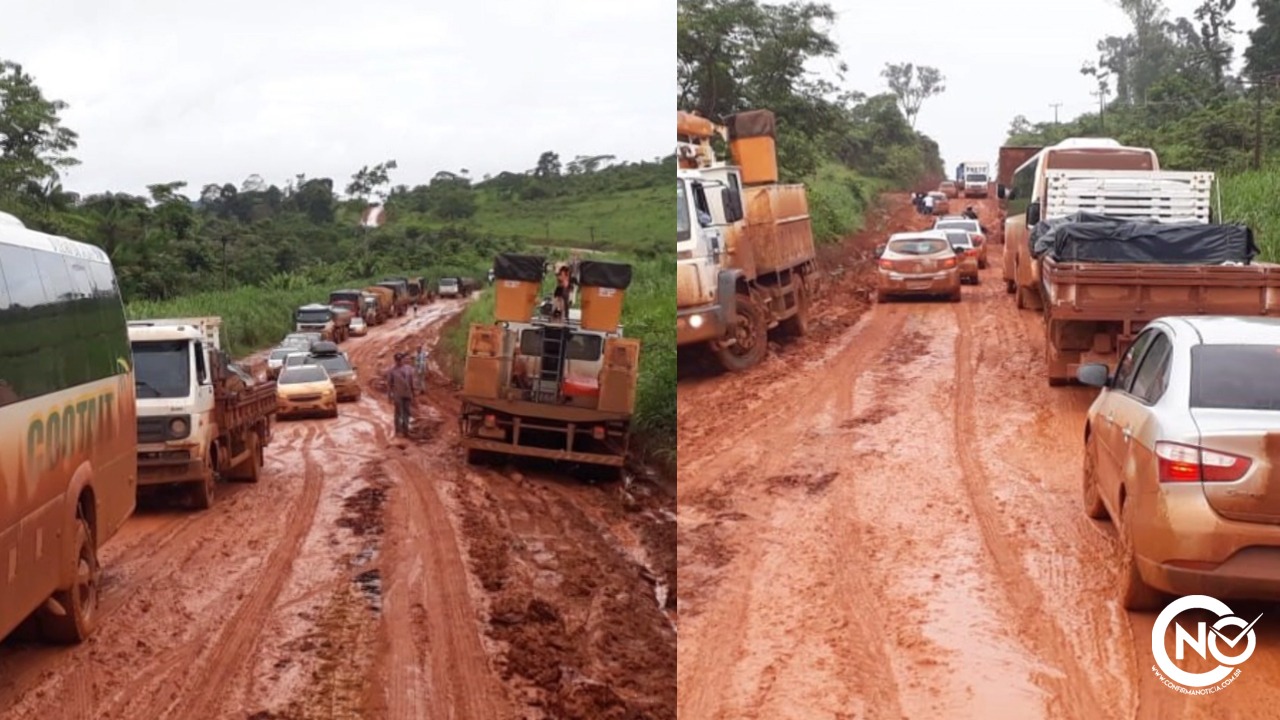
point(885, 522)
point(372, 577)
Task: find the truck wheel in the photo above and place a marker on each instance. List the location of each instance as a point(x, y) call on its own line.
point(250, 469)
point(798, 324)
point(203, 491)
point(749, 330)
point(81, 600)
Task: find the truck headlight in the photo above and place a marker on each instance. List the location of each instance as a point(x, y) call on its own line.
point(178, 427)
point(695, 321)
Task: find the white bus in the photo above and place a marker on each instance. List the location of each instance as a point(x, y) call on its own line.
point(68, 459)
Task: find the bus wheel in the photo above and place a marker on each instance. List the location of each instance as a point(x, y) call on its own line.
point(81, 601)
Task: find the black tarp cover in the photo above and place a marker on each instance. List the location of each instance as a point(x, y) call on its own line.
point(1154, 243)
point(1042, 234)
point(595, 273)
point(752, 123)
point(525, 268)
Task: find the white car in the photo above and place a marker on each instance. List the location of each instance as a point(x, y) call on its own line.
point(275, 361)
point(358, 327)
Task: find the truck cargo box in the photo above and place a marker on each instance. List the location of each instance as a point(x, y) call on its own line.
point(778, 226)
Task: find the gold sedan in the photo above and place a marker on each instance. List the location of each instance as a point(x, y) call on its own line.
point(305, 390)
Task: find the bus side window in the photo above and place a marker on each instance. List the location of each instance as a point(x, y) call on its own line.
point(8, 394)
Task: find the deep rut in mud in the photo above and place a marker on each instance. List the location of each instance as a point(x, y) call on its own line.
point(367, 576)
point(883, 520)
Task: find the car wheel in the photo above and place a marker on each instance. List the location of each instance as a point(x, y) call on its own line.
point(955, 296)
point(1135, 593)
point(1093, 506)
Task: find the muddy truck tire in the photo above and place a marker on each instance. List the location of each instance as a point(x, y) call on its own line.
point(250, 469)
point(798, 324)
point(204, 491)
point(750, 337)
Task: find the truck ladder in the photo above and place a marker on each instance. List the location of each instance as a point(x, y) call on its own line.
point(555, 339)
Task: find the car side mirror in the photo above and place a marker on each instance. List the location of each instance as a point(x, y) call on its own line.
point(1033, 214)
point(880, 249)
point(1094, 375)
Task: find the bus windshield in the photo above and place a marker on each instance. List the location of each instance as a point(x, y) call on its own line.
point(162, 369)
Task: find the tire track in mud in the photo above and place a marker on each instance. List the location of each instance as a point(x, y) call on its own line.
point(705, 686)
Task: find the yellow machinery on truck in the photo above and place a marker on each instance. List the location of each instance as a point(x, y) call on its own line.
point(745, 257)
point(557, 386)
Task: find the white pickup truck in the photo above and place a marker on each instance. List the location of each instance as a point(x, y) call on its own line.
point(199, 418)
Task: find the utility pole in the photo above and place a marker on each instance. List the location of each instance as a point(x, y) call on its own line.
point(1055, 107)
point(1257, 123)
point(224, 261)
point(1102, 102)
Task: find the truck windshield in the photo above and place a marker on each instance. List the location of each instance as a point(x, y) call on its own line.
point(449, 283)
point(683, 231)
point(162, 369)
point(975, 178)
point(313, 317)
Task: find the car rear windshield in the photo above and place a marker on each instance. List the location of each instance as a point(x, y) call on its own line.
point(917, 247)
point(1235, 377)
point(954, 225)
point(333, 363)
point(302, 374)
point(959, 237)
point(281, 354)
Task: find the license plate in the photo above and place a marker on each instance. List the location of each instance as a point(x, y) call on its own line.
point(918, 285)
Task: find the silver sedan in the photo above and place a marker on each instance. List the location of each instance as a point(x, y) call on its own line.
point(1182, 451)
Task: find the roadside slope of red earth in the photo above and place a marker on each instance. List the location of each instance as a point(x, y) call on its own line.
point(888, 524)
point(350, 582)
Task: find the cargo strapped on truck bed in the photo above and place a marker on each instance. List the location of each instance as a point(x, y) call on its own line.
point(1088, 238)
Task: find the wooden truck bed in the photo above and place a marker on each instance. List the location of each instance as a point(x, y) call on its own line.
point(246, 407)
point(1122, 291)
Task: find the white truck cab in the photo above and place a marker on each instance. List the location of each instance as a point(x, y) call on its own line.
point(708, 204)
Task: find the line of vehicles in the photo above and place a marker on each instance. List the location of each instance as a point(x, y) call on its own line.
point(97, 407)
point(1146, 297)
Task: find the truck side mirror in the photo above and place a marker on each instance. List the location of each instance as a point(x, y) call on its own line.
point(1033, 214)
point(732, 204)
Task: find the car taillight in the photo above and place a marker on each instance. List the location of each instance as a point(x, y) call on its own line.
point(1188, 463)
point(886, 264)
point(976, 239)
point(949, 262)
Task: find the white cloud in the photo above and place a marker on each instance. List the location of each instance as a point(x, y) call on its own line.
point(214, 92)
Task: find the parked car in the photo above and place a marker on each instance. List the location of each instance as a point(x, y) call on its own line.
point(1181, 449)
point(919, 263)
point(948, 188)
point(962, 243)
point(941, 205)
point(306, 390)
point(358, 327)
point(339, 368)
point(977, 233)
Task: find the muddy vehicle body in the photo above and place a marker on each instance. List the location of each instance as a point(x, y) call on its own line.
point(557, 389)
point(399, 295)
point(351, 300)
point(369, 309)
point(67, 367)
point(386, 302)
point(321, 319)
point(198, 421)
point(746, 259)
point(919, 263)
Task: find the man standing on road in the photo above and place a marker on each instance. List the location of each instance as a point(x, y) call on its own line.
point(400, 390)
point(928, 204)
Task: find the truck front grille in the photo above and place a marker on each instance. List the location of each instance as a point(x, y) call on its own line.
point(152, 429)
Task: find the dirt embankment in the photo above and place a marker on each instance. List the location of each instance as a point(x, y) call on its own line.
point(885, 522)
point(373, 577)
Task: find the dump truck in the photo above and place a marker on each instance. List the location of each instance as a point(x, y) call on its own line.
point(400, 294)
point(369, 309)
point(413, 287)
point(352, 300)
point(320, 318)
point(746, 259)
point(200, 418)
point(386, 302)
point(561, 388)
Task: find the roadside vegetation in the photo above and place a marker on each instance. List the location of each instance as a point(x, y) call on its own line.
point(1170, 86)
point(846, 146)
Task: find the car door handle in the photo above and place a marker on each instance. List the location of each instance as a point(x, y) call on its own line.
point(1128, 434)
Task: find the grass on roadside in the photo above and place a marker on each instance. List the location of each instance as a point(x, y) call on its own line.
point(1250, 198)
point(838, 201)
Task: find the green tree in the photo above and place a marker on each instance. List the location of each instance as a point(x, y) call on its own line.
point(913, 85)
point(1263, 54)
point(34, 145)
point(370, 181)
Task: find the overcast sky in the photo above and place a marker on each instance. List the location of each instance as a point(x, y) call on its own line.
point(1001, 58)
point(161, 90)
